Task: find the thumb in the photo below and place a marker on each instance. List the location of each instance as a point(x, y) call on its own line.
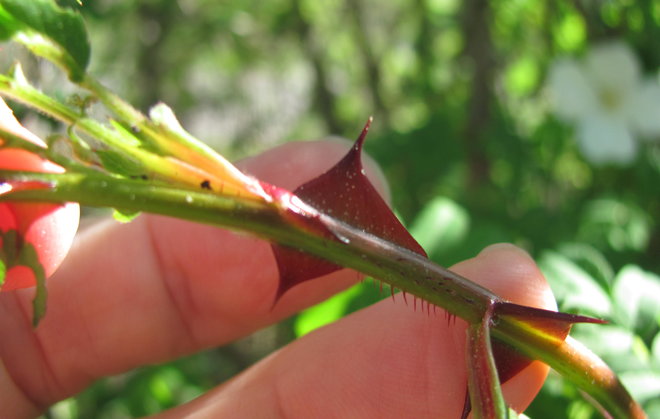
point(386, 361)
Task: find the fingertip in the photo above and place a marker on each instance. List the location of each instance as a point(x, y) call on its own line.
point(522, 388)
point(504, 247)
point(511, 273)
point(292, 164)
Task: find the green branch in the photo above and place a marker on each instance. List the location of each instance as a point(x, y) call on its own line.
point(392, 264)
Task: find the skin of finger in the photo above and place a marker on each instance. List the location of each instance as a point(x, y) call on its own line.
point(155, 289)
point(386, 361)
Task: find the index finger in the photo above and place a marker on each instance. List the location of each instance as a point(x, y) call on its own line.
point(155, 289)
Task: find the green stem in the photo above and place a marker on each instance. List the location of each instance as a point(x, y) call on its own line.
point(574, 362)
point(121, 108)
point(381, 259)
point(486, 396)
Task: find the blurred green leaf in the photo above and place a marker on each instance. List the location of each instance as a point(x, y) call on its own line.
point(63, 26)
point(440, 226)
point(326, 312)
point(636, 295)
point(573, 286)
point(8, 24)
point(65, 409)
point(570, 33)
point(443, 7)
point(591, 260)
point(652, 408)
point(620, 224)
point(523, 75)
point(655, 350)
point(618, 346)
point(644, 385)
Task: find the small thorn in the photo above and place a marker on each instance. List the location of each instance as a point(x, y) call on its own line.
point(405, 300)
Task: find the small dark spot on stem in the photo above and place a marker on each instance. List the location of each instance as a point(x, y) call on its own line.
point(468, 300)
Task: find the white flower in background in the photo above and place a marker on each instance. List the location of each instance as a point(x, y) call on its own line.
point(609, 102)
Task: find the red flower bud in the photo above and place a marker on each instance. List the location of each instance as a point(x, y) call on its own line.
point(48, 228)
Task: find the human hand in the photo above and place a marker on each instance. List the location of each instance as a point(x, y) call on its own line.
point(159, 288)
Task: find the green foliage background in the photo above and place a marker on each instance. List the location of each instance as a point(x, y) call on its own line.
point(462, 130)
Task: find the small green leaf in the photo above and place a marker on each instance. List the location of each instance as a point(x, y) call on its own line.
point(117, 163)
point(3, 272)
point(63, 27)
point(40, 296)
point(124, 216)
point(17, 252)
point(10, 247)
point(29, 257)
point(126, 134)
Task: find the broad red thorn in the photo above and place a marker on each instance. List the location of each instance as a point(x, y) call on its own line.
point(48, 228)
point(345, 193)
